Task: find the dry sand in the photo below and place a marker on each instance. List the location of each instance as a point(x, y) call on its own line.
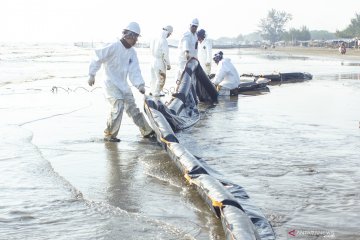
point(351, 54)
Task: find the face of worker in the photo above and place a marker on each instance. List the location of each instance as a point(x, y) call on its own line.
point(132, 39)
point(193, 28)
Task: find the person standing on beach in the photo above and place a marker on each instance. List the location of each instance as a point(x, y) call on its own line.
point(120, 62)
point(161, 62)
point(204, 51)
point(187, 46)
point(342, 48)
point(227, 77)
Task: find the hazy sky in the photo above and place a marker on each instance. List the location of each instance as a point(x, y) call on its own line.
point(103, 20)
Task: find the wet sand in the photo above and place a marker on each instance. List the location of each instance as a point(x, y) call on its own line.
point(293, 150)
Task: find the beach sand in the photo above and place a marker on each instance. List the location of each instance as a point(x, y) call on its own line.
point(351, 54)
point(293, 150)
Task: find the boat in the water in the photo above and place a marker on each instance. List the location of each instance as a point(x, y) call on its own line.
point(240, 218)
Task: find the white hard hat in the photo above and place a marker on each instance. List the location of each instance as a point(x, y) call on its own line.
point(195, 22)
point(133, 27)
point(168, 28)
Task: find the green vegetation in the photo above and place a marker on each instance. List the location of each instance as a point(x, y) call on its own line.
point(272, 27)
point(353, 30)
point(293, 34)
point(322, 35)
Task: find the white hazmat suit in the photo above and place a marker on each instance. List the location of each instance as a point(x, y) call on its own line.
point(119, 63)
point(187, 48)
point(227, 77)
point(161, 62)
point(205, 55)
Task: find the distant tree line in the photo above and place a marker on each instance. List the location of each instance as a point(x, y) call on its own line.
point(293, 34)
point(272, 29)
point(353, 30)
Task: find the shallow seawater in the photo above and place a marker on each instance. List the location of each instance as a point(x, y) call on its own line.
point(293, 149)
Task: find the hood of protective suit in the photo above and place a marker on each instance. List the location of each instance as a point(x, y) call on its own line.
point(168, 28)
point(164, 34)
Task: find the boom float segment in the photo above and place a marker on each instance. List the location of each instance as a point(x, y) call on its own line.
point(239, 217)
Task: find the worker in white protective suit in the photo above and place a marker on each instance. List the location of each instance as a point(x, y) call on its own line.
point(187, 46)
point(227, 77)
point(204, 51)
point(161, 62)
point(120, 62)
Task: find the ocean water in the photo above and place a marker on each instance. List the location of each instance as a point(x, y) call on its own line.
point(294, 150)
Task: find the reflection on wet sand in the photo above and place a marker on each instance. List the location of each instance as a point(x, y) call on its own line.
point(120, 175)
